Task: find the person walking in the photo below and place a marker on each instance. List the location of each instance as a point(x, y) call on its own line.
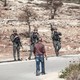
point(33, 40)
point(39, 52)
point(16, 44)
point(56, 40)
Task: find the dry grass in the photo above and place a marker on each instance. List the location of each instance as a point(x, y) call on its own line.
point(72, 72)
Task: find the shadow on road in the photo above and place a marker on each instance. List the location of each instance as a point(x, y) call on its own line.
point(7, 61)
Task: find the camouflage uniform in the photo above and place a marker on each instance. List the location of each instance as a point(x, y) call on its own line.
point(33, 39)
point(56, 41)
point(16, 44)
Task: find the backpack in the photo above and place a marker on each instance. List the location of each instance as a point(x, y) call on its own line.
point(34, 38)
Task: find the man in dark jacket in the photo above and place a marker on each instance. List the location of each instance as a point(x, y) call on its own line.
point(33, 40)
point(16, 44)
point(56, 40)
point(39, 52)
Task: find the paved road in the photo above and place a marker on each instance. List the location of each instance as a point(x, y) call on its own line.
point(25, 70)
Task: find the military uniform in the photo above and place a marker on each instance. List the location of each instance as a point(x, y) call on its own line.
point(16, 44)
point(56, 41)
point(33, 39)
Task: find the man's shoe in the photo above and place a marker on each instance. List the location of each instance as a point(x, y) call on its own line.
point(37, 73)
point(43, 73)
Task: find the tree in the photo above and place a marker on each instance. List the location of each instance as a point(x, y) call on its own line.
point(79, 1)
point(5, 2)
point(54, 5)
point(28, 15)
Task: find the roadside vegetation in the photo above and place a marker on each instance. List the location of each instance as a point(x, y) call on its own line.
point(72, 72)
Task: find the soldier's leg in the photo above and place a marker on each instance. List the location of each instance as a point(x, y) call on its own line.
point(14, 52)
point(57, 53)
point(31, 50)
point(55, 47)
point(18, 53)
point(59, 45)
point(58, 48)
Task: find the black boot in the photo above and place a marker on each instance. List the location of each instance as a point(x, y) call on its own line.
point(29, 58)
point(57, 53)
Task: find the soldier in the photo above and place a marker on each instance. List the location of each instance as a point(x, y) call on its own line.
point(56, 40)
point(16, 44)
point(33, 40)
point(39, 52)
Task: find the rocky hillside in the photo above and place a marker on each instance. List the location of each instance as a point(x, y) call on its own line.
point(67, 20)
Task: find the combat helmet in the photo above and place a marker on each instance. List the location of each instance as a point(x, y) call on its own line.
point(35, 29)
point(14, 30)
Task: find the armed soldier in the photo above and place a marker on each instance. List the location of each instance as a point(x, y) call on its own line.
point(56, 40)
point(16, 44)
point(34, 38)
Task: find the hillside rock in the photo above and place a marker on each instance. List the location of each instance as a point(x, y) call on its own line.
point(67, 21)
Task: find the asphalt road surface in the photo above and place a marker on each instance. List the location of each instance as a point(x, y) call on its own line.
point(25, 70)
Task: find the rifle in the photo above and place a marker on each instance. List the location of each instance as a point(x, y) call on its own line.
point(51, 27)
point(51, 30)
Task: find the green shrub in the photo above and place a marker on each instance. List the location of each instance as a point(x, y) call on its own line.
point(73, 68)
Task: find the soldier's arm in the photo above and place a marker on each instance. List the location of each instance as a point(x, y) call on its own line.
point(60, 33)
point(20, 43)
point(12, 37)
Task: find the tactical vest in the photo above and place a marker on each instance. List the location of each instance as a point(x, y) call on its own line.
point(15, 39)
point(56, 36)
point(34, 38)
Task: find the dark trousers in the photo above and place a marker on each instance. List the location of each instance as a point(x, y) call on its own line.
point(16, 49)
point(57, 46)
point(31, 50)
point(40, 59)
